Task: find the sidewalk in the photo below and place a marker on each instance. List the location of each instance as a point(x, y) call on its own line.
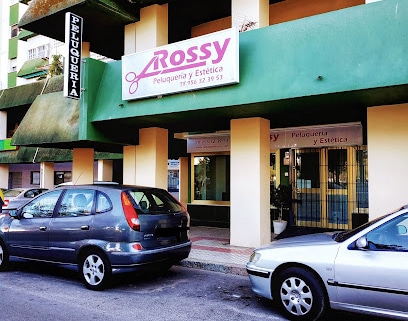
point(211, 251)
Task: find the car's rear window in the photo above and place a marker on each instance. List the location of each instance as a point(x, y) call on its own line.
point(155, 201)
point(12, 192)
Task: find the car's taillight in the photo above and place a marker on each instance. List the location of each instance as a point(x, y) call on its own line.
point(130, 213)
point(6, 202)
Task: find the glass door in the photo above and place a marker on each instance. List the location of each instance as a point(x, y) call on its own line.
point(330, 185)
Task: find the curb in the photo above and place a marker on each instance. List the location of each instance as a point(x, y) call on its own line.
point(215, 267)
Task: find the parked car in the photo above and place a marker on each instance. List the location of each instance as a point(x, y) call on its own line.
point(100, 229)
point(16, 197)
point(361, 270)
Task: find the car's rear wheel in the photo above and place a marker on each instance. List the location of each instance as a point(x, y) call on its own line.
point(300, 295)
point(4, 257)
point(95, 270)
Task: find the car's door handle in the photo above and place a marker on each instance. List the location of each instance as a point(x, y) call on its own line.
point(43, 228)
point(85, 227)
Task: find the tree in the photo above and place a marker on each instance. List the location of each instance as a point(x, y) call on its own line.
point(55, 68)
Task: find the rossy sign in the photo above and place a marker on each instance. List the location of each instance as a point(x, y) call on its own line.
point(206, 61)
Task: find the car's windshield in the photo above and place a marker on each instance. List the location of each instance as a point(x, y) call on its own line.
point(344, 235)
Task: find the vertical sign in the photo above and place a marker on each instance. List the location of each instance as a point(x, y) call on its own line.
point(72, 65)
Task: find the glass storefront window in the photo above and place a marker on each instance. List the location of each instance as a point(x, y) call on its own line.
point(212, 178)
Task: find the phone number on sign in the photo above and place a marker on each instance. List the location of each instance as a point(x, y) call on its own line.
point(202, 80)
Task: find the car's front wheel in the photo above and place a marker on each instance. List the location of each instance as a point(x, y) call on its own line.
point(300, 294)
point(4, 257)
point(95, 270)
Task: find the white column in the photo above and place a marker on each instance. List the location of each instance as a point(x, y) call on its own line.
point(152, 157)
point(105, 170)
point(3, 124)
point(4, 175)
point(47, 175)
point(250, 208)
point(250, 14)
point(150, 32)
point(129, 165)
point(387, 133)
point(83, 166)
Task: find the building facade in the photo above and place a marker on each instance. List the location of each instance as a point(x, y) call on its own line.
point(310, 95)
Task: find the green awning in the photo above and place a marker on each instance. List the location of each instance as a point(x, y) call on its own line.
point(25, 35)
point(37, 155)
point(104, 21)
point(52, 118)
point(20, 95)
point(33, 68)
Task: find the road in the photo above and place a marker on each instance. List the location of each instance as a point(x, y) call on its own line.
point(38, 292)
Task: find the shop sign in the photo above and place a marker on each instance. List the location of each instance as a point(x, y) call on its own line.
point(349, 134)
point(207, 61)
point(173, 164)
point(72, 64)
point(208, 144)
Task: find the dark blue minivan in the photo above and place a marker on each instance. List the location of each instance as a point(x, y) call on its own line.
point(99, 228)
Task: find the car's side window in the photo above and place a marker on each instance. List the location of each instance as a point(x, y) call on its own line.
point(43, 206)
point(76, 202)
point(391, 236)
point(103, 203)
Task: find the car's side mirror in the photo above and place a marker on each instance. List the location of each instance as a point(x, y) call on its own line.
point(13, 213)
point(362, 242)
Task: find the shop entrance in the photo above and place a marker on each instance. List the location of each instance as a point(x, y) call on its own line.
point(330, 186)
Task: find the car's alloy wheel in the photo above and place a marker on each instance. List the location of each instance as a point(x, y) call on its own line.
point(4, 257)
point(300, 295)
point(95, 270)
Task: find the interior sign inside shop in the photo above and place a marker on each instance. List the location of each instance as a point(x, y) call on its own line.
point(72, 64)
point(207, 61)
point(347, 134)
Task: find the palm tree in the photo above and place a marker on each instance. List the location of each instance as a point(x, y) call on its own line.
point(55, 68)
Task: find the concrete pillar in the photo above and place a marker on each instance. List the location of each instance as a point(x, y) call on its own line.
point(250, 14)
point(47, 175)
point(4, 175)
point(129, 165)
point(250, 208)
point(150, 32)
point(83, 166)
point(387, 154)
point(3, 124)
point(152, 157)
point(183, 181)
point(105, 170)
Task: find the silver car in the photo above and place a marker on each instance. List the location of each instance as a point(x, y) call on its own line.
point(16, 197)
point(363, 270)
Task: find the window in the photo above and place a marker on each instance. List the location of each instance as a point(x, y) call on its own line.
point(391, 236)
point(212, 178)
point(76, 202)
point(43, 206)
point(14, 31)
point(103, 203)
point(39, 52)
point(35, 178)
point(62, 177)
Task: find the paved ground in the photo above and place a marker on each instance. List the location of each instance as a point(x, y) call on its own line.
point(211, 251)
